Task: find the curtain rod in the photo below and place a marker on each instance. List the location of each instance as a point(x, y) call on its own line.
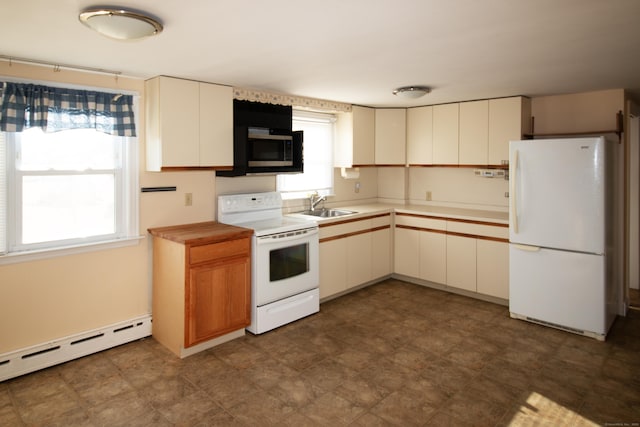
point(57, 66)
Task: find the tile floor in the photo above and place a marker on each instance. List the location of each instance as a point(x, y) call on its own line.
point(390, 354)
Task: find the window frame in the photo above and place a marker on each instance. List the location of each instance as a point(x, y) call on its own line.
point(318, 117)
point(126, 199)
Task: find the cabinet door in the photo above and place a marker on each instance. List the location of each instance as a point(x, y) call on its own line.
point(381, 255)
point(178, 117)
point(359, 251)
point(433, 257)
point(363, 135)
point(445, 134)
point(390, 136)
point(506, 116)
point(216, 125)
point(219, 297)
point(333, 267)
point(406, 252)
point(461, 262)
point(493, 268)
point(420, 136)
point(474, 133)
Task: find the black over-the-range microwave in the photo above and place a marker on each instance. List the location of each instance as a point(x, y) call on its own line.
point(263, 142)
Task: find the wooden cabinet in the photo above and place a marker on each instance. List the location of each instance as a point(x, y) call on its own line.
point(201, 285)
point(509, 119)
point(473, 143)
point(390, 136)
point(348, 250)
point(420, 136)
point(355, 138)
point(445, 134)
point(188, 124)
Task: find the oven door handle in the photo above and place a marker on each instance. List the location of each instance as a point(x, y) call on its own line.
point(286, 237)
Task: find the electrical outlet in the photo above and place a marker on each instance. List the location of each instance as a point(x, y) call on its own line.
point(428, 196)
point(506, 194)
point(188, 199)
point(357, 189)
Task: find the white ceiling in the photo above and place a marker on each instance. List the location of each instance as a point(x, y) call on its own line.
point(354, 51)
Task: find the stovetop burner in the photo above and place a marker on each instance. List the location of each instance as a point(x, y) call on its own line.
point(260, 211)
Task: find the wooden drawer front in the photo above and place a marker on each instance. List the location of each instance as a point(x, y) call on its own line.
point(473, 229)
point(230, 248)
point(421, 222)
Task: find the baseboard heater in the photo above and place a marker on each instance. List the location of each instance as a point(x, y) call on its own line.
point(30, 359)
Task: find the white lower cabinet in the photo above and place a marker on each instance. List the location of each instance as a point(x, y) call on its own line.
point(333, 267)
point(461, 262)
point(359, 259)
point(406, 253)
point(353, 253)
point(433, 256)
point(493, 268)
point(468, 255)
point(381, 262)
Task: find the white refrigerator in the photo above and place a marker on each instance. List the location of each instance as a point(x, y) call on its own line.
point(561, 266)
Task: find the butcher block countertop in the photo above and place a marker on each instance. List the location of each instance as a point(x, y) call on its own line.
point(201, 233)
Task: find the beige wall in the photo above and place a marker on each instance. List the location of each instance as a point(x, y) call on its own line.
point(57, 297)
point(580, 112)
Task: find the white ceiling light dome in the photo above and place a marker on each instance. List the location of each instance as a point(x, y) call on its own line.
point(412, 91)
point(120, 24)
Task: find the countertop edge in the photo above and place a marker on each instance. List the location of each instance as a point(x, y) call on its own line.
point(200, 233)
point(497, 217)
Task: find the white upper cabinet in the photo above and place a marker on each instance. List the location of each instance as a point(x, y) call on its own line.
point(355, 140)
point(216, 125)
point(420, 136)
point(473, 143)
point(189, 124)
point(445, 134)
point(509, 119)
point(390, 136)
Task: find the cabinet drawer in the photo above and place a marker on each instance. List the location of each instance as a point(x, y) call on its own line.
point(230, 248)
point(421, 222)
point(478, 229)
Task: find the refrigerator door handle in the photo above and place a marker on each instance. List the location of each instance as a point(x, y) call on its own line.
point(526, 247)
point(512, 194)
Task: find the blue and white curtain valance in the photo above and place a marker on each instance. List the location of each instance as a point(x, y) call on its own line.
point(55, 109)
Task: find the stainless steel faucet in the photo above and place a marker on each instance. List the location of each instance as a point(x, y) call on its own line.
point(314, 199)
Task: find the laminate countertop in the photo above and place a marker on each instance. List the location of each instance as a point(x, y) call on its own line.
point(201, 233)
point(498, 217)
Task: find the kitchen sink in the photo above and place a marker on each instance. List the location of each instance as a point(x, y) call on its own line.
point(327, 213)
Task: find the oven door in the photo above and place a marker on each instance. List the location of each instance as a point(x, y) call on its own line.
point(285, 264)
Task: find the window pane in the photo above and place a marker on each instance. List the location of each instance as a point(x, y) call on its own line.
point(67, 207)
point(80, 149)
point(318, 157)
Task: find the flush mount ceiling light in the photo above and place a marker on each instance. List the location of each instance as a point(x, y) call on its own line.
point(412, 91)
point(120, 24)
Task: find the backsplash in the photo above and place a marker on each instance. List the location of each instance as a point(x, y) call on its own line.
point(457, 187)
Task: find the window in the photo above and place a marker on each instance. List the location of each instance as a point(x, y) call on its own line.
point(65, 189)
point(319, 132)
